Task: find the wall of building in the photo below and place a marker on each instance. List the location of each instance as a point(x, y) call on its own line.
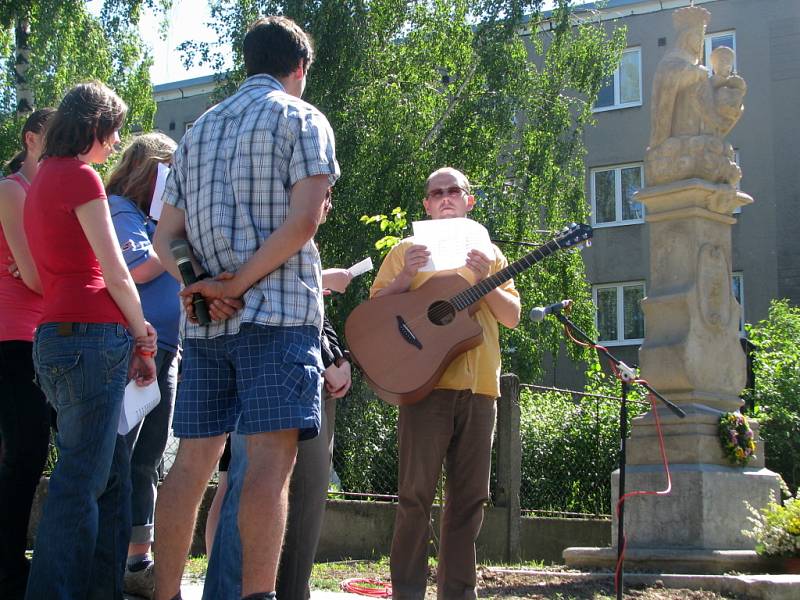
point(173, 115)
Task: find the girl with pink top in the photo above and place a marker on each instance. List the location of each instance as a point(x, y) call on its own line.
point(24, 415)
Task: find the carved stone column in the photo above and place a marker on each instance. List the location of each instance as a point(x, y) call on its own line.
point(692, 352)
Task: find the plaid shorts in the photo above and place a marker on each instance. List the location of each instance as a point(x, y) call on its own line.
point(263, 378)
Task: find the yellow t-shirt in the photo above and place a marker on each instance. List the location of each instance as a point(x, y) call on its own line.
point(477, 369)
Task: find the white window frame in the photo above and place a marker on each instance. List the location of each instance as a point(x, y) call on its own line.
point(620, 341)
point(618, 221)
point(738, 275)
point(709, 40)
point(617, 104)
point(188, 126)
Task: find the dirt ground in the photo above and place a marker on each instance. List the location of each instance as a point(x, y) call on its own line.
point(509, 586)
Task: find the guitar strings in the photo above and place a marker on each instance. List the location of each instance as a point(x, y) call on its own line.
point(471, 294)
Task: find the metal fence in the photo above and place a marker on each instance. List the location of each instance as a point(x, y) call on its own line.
point(567, 443)
point(570, 446)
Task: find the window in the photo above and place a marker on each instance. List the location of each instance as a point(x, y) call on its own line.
point(620, 319)
point(738, 292)
point(715, 40)
point(612, 190)
point(188, 126)
point(624, 87)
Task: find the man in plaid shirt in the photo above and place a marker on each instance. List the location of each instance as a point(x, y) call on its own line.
point(246, 190)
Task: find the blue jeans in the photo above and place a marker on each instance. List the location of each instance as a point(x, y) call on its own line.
point(147, 442)
point(308, 491)
point(82, 540)
point(224, 575)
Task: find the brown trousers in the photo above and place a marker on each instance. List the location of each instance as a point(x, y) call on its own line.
point(454, 427)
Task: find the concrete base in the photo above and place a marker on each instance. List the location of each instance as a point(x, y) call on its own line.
point(705, 509)
point(674, 560)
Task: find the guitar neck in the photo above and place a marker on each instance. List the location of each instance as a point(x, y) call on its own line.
point(480, 289)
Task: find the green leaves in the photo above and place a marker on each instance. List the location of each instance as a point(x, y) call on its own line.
point(393, 226)
point(776, 394)
point(68, 45)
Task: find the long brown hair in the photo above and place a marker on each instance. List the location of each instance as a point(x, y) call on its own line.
point(134, 176)
point(88, 112)
point(35, 123)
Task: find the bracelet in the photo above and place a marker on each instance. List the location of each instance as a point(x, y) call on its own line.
point(145, 353)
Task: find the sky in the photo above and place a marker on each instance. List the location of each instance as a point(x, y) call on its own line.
point(187, 21)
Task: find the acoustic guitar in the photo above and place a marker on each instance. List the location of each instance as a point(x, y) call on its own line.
point(404, 342)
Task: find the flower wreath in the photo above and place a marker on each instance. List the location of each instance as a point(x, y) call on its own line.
point(737, 438)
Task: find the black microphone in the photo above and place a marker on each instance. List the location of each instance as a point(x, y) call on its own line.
point(540, 312)
point(183, 257)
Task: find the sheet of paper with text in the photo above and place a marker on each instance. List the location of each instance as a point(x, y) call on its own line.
point(450, 240)
point(157, 202)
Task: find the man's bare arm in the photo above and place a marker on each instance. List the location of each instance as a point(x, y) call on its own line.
point(171, 226)
point(505, 307)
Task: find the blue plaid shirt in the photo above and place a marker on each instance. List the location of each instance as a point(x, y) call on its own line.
point(232, 175)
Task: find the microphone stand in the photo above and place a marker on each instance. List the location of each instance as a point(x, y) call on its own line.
point(626, 376)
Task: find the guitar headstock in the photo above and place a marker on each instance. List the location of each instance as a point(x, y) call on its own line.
point(575, 235)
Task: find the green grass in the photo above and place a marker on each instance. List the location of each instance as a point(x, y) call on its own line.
point(328, 575)
point(196, 567)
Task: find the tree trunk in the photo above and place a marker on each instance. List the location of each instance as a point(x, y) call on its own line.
point(22, 31)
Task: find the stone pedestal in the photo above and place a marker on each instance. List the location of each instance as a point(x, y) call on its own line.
point(692, 355)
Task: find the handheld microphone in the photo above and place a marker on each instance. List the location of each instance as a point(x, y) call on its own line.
point(183, 257)
point(540, 312)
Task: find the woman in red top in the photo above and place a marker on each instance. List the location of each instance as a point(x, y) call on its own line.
point(92, 338)
point(24, 416)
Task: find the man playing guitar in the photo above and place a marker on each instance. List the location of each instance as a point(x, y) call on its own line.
point(454, 423)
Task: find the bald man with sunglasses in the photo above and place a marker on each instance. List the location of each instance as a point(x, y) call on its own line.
point(454, 423)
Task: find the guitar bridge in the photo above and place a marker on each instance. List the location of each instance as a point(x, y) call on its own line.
point(407, 334)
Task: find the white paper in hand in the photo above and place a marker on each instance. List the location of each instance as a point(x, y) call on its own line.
point(157, 203)
point(361, 267)
point(137, 403)
point(450, 240)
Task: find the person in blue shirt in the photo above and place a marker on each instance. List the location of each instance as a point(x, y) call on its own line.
point(130, 189)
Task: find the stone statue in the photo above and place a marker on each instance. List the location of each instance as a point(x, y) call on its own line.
point(692, 110)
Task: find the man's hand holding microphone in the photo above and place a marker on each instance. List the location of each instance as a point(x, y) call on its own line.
point(200, 289)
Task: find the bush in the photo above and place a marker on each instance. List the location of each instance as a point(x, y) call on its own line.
point(570, 446)
point(776, 528)
point(776, 393)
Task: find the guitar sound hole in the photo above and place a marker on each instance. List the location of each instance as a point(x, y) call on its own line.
point(441, 313)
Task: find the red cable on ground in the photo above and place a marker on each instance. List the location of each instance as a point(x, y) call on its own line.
point(663, 492)
point(367, 587)
point(661, 448)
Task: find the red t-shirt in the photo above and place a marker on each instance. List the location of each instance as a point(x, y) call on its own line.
point(72, 280)
point(20, 307)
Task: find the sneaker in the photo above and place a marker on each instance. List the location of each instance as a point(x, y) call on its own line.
point(140, 583)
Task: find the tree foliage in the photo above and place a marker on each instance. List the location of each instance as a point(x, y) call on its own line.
point(776, 393)
point(69, 45)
